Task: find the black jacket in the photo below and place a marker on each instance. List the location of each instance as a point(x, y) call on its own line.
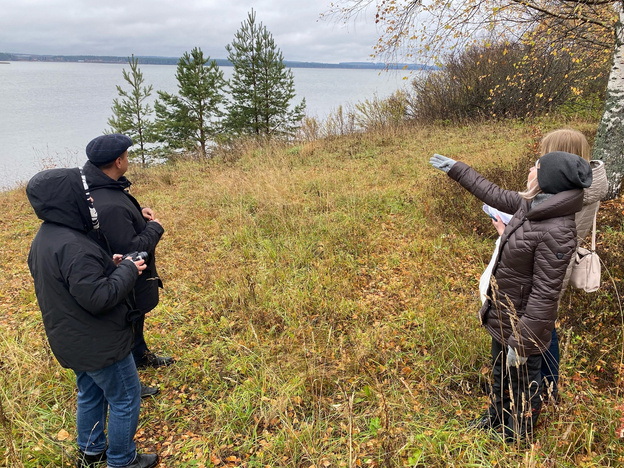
point(122, 221)
point(534, 253)
point(81, 294)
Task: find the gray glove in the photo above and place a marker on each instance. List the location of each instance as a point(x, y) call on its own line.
point(513, 359)
point(442, 162)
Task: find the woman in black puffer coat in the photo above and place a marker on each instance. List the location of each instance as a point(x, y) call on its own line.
point(521, 306)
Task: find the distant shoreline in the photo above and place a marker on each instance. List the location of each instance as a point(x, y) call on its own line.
point(151, 60)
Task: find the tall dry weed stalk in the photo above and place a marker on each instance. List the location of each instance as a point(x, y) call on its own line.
point(5, 423)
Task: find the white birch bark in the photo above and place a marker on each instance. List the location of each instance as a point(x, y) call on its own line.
point(609, 143)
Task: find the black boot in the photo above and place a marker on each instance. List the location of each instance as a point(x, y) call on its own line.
point(87, 461)
point(150, 359)
point(485, 422)
point(146, 460)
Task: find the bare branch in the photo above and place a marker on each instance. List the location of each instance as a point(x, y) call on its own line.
point(574, 15)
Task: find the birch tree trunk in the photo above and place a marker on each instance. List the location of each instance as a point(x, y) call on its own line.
point(609, 143)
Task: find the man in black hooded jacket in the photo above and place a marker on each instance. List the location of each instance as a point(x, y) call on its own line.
point(128, 228)
point(82, 292)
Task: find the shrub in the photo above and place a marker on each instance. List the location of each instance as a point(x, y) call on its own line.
point(368, 115)
point(499, 81)
point(337, 123)
point(378, 113)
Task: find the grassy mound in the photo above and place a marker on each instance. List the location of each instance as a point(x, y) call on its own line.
point(321, 302)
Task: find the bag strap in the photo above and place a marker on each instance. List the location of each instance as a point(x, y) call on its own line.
point(593, 245)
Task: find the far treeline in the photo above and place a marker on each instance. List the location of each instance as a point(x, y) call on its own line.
point(157, 60)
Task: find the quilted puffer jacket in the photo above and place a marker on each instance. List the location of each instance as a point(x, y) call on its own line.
point(535, 251)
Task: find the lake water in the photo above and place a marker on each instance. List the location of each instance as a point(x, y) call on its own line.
point(50, 111)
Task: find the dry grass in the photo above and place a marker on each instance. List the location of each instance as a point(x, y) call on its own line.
point(320, 300)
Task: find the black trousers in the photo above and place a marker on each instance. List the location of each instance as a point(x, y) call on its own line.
point(139, 347)
point(516, 393)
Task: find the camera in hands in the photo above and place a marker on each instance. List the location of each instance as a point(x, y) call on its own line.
point(136, 256)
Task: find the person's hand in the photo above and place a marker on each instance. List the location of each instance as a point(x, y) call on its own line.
point(117, 258)
point(140, 264)
point(499, 225)
point(441, 162)
point(156, 221)
point(148, 214)
point(514, 359)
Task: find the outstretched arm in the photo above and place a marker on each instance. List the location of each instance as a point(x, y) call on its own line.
point(507, 201)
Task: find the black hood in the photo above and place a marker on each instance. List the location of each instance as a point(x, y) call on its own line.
point(58, 196)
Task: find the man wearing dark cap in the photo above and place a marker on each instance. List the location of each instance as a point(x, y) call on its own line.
point(128, 228)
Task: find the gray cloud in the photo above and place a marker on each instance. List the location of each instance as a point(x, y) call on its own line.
point(171, 27)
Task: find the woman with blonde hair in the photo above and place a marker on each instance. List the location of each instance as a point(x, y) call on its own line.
point(572, 141)
point(568, 140)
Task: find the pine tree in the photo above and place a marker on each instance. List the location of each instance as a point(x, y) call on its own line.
point(131, 114)
point(190, 119)
point(261, 87)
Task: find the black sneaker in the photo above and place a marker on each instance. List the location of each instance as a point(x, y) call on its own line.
point(148, 391)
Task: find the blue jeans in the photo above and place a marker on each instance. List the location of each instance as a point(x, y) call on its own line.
point(550, 363)
point(115, 390)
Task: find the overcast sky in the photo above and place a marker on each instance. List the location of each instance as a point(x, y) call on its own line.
point(171, 27)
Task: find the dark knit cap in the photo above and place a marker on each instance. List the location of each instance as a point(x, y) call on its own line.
point(106, 148)
point(560, 171)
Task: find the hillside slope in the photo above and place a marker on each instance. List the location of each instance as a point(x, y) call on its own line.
point(321, 302)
